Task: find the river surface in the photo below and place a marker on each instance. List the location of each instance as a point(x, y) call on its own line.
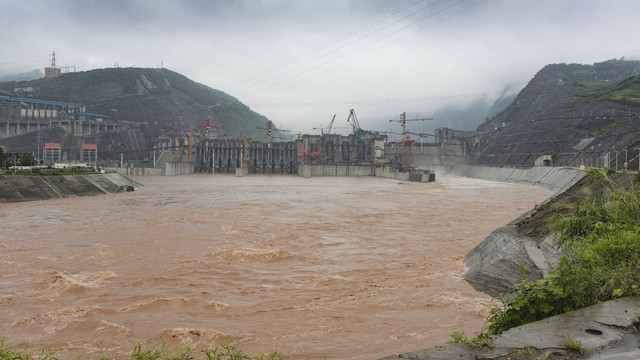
point(320, 268)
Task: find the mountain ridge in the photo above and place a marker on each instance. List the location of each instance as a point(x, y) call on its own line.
point(572, 112)
point(145, 95)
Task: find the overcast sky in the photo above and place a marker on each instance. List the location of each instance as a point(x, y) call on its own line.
point(299, 62)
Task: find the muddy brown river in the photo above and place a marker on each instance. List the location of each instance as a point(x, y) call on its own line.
point(321, 268)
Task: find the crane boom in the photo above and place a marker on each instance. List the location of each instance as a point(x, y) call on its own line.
point(353, 120)
point(331, 124)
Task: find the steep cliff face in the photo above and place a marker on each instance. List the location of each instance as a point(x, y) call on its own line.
point(575, 113)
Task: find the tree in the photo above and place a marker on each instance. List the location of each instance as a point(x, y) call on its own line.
point(3, 157)
point(27, 160)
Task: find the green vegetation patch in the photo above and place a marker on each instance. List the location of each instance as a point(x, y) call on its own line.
point(625, 92)
point(225, 351)
point(600, 238)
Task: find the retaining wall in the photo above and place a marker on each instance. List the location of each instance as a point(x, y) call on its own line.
point(494, 264)
point(17, 188)
point(554, 178)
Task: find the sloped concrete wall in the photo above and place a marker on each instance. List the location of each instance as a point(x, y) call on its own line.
point(494, 264)
point(554, 178)
point(17, 188)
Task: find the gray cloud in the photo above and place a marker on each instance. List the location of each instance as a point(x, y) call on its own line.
point(297, 61)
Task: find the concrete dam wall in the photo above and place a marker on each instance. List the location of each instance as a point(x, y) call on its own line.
point(17, 188)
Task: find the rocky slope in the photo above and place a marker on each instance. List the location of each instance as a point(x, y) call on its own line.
point(575, 113)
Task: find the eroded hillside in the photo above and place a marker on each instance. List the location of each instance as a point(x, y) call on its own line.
point(574, 113)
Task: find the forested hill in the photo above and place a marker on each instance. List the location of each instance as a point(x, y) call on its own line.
point(574, 112)
point(154, 96)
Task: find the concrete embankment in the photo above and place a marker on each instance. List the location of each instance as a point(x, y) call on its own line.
point(604, 331)
point(494, 264)
point(17, 188)
point(554, 178)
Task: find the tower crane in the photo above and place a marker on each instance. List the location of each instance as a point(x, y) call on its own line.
point(322, 143)
point(403, 122)
point(331, 124)
point(245, 149)
point(353, 120)
point(358, 133)
point(269, 130)
point(208, 124)
point(328, 130)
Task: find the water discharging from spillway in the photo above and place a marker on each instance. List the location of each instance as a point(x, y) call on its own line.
point(335, 268)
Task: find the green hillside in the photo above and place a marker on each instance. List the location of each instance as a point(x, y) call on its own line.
point(155, 96)
point(626, 91)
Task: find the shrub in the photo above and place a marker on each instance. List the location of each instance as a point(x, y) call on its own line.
point(601, 258)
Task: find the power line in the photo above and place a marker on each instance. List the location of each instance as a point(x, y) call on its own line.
point(307, 73)
point(372, 101)
point(319, 49)
point(393, 33)
point(335, 54)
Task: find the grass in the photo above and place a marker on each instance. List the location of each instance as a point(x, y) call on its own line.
point(529, 354)
point(225, 351)
point(600, 239)
point(9, 352)
point(571, 344)
point(624, 91)
point(481, 339)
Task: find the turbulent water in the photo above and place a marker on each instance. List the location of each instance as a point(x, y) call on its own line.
point(335, 268)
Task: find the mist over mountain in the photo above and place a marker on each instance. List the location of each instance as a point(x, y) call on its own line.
point(26, 76)
point(566, 111)
point(573, 112)
point(467, 117)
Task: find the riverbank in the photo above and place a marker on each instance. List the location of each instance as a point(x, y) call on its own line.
point(605, 330)
point(19, 188)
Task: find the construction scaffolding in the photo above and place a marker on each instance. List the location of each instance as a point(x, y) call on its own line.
point(89, 154)
point(52, 153)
